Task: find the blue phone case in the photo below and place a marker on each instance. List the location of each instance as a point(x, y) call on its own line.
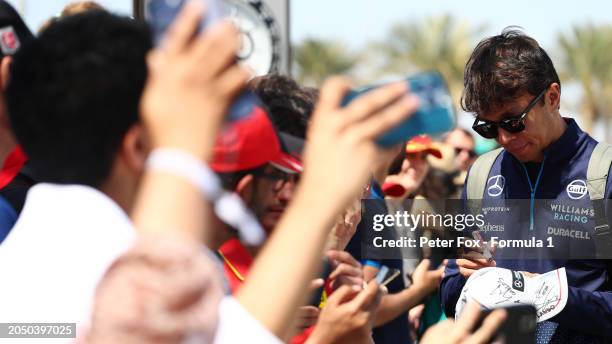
point(161, 13)
point(435, 115)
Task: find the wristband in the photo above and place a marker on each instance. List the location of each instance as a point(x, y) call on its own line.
point(228, 206)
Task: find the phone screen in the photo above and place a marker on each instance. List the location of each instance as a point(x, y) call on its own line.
point(435, 115)
point(385, 275)
point(161, 13)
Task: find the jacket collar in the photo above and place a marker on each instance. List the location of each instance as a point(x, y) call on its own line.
point(566, 147)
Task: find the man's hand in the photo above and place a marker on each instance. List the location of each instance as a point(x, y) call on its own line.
point(191, 83)
point(474, 259)
point(339, 134)
point(449, 332)
point(347, 271)
point(468, 266)
point(307, 316)
point(414, 319)
point(345, 226)
point(425, 279)
point(347, 316)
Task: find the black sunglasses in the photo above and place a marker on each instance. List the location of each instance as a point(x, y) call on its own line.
point(470, 152)
point(515, 124)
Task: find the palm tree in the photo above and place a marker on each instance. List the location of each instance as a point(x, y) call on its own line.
point(317, 59)
point(587, 60)
point(438, 43)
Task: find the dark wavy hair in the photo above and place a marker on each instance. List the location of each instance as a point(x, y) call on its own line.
point(290, 105)
point(502, 68)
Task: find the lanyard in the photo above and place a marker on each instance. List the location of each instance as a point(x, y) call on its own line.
point(231, 266)
point(533, 189)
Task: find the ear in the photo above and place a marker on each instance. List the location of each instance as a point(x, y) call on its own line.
point(134, 149)
point(554, 96)
point(5, 68)
point(245, 187)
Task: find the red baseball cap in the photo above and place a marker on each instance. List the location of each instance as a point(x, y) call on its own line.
point(251, 142)
point(423, 143)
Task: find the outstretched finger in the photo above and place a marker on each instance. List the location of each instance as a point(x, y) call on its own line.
point(183, 28)
point(489, 327)
point(336, 257)
point(216, 48)
point(332, 92)
point(386, 119)
point(465, 324)
point(342, 295)
point(364, 299)
point(345, 270)
point(374, 101)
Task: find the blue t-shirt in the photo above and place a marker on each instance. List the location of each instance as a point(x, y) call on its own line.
point(397, 330)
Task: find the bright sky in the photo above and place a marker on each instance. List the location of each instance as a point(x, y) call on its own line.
point(355, 22)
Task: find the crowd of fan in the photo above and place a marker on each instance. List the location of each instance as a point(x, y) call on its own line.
point(113, 218)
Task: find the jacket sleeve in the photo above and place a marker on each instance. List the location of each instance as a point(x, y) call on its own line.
point(587, 311)
point(450, 288)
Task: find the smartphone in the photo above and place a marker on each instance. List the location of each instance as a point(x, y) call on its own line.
point(519, 327)
point(435, 115)
point(385, 275)
point(160, 14)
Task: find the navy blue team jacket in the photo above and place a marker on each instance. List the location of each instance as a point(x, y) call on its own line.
point(566, 216)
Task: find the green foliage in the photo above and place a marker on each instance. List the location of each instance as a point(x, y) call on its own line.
point(587, 60)
point(317, 59)
point(439, 43)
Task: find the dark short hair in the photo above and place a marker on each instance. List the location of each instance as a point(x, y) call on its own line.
point(74, 93)
point(289, 104)
point(502, 67)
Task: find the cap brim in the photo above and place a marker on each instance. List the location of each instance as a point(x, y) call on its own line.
point(435, 152)
point(287, 163)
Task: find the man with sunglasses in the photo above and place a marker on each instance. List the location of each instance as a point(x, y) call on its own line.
point(463, 143)
point(514, 91)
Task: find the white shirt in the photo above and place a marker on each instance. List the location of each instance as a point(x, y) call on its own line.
point(237, 325)
point(62, 244)
point(65, 239)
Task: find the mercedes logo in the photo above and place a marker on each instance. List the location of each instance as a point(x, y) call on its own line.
point(495, 185)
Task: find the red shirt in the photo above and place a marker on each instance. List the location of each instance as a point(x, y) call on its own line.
point(12, 165)
point(236, 262)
